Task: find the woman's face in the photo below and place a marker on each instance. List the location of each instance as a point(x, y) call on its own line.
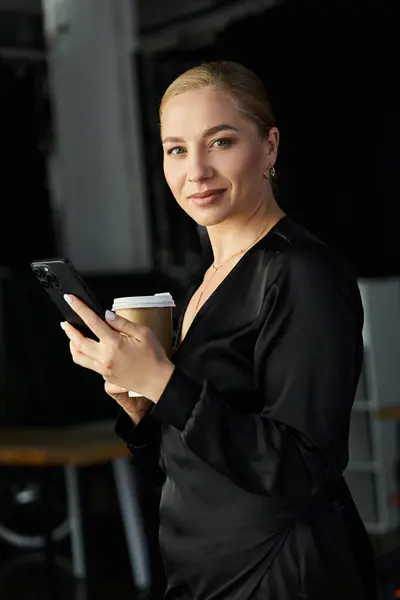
point(214, 157)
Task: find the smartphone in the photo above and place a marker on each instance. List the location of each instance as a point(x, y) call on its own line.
point(58, 276)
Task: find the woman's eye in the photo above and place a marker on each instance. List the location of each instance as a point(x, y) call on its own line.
point(222, 143)
point(177, 150)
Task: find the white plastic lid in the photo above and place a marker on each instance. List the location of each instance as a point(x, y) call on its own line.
point(158, 300)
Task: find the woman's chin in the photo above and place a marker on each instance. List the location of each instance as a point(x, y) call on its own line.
point(209, 218)
point(208, 222)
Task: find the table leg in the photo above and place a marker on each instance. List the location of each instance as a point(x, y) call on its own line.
point(49, 546)
point(81, 533)
point(132, 521)
point(75, 522)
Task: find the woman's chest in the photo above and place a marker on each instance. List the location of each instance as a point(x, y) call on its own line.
point(196, 302)
point(211, 284)
point(220, 348)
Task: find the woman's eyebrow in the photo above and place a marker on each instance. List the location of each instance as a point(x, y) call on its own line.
point(207, 133)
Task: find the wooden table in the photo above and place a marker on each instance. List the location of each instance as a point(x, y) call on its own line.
point(45, 447)
point(390, 413)
point(73, 448)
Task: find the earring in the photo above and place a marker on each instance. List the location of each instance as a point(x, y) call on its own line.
point(271, 173)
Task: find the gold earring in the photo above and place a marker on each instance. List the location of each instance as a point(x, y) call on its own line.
point(271, 173)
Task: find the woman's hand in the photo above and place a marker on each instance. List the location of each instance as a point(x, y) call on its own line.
point(135, 408)
point(126, 355)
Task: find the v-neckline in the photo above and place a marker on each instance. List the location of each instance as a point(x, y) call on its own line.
point(204, 306)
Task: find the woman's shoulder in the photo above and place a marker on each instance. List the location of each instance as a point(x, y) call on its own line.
point(301, 259)
point(294, 246)
point(290, 239)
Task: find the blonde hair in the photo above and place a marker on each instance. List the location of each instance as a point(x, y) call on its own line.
point(242, 84)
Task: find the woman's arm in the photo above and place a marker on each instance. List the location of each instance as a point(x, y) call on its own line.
point(307, 361)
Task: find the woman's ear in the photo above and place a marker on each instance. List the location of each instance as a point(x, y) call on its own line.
point(271, 144)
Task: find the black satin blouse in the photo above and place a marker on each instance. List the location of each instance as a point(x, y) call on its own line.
point(252, 430)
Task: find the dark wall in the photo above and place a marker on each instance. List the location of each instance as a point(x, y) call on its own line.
point(26, 225)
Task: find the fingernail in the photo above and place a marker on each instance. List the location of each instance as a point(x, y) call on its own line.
point(62, 325)
point(110, 315)
point(68, 299)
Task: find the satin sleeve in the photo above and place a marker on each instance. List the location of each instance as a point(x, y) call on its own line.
point(307, 360)
point(143, 442)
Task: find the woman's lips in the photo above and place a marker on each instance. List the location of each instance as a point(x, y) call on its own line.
point(208, 200)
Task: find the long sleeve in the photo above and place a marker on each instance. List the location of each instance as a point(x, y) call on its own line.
point(143, 441)
point(307, 360)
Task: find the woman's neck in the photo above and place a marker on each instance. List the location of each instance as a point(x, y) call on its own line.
point(235, 235)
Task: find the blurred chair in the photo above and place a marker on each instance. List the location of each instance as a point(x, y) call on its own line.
point(74, 448)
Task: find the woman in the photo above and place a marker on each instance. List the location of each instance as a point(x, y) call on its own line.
point(250, 420)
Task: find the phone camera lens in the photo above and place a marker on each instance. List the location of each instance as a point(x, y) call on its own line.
point(53, 281)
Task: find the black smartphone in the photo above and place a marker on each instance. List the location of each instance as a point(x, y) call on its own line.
point(58, 276)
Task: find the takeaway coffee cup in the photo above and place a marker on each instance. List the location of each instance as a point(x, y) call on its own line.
point(154, 312)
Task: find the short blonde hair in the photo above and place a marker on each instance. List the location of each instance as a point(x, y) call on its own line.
point(240, 82)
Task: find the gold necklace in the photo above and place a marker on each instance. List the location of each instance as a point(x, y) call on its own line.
point(215, 269)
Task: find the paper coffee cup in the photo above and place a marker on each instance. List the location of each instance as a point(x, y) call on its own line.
point(154, 312)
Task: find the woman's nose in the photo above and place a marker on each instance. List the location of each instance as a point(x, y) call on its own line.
point(199, 169)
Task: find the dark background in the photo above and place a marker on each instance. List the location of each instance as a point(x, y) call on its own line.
point(331, 70)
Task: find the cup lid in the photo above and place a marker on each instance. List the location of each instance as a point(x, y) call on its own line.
point(158, 300)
